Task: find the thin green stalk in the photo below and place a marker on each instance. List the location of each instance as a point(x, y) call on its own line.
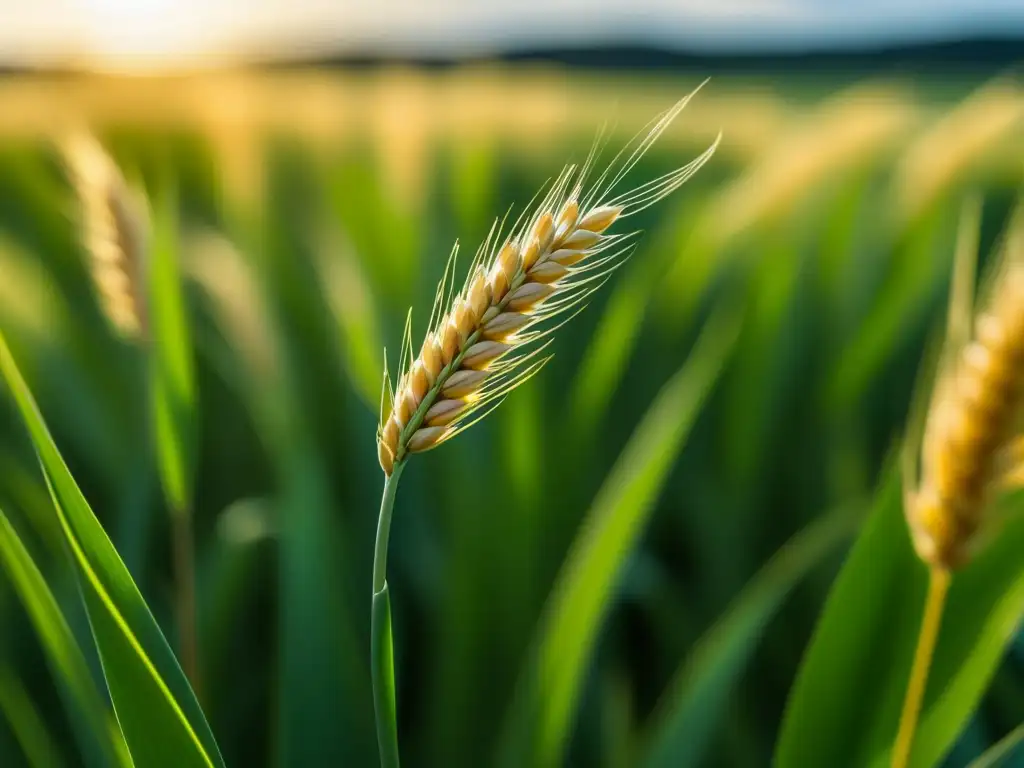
point(382, 660)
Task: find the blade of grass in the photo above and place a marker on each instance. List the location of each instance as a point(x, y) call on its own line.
point(27, 723)
point(173, 376)
point(918, 263)
point(352, 304)
point(173, 400)
point(324, 710)
point(377, 223)
point(99, 740)
point(845, 703)
point(35, 315)
point(157, 710)
point(762, 355)
point(616, 719)
point(233, 569)
point(541, 719)
point(1002, 749)
point(692, 707)
point(614, 341)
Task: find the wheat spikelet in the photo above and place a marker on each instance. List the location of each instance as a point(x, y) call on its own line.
point(115, 230)
point(488, 339)
point(968, 448)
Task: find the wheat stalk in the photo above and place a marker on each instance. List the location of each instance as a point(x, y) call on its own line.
point(489, 337)
point(969, 448)
point(115, 230)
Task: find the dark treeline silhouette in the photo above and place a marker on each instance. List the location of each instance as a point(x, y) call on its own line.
point(981, 55)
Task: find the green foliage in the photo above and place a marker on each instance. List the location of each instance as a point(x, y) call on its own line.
point(701, 687)
point(997, 754)
point(541, 718)
point(173, 377)
point(158, 712)
point(99, 740)
point(846, 700)
point(628, 559)
point(37, 744)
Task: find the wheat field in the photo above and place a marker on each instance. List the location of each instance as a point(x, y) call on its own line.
point(683, 544)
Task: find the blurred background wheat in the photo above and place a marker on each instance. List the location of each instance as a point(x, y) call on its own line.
point(324, 165)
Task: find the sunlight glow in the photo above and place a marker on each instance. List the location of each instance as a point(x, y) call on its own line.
point(140, 33)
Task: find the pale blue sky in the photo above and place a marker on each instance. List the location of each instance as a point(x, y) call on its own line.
point(158, 31)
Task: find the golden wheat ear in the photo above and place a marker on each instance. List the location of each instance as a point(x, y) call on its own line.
point(489, 336)
point(940, 357)
point(1010, 471)
point(1008, 465)
point(114, 221)
point(976, 404)
point(934, 385)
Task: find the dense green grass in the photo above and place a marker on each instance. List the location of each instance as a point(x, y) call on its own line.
point(625, 564)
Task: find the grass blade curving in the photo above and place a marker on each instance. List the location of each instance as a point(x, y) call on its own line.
point(100, 742)
point(694, 703)
point(173, 401)
point(173, 376)
point(845, 703)
point(541, 720)
point(26, 723)
point(998, 753)
point(159, 716)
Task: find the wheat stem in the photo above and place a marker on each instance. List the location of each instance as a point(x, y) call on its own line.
point(938, 587)
point(380, 551)
point(381, 647)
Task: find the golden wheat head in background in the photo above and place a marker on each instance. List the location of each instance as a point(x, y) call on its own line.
point(522, 285)
point(114, 222)
point(970, 451)
point(971, 448)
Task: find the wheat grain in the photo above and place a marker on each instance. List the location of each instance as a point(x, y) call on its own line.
point(488, 339)
point(972, 421)
point(115, 230)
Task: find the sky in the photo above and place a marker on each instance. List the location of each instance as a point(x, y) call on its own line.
point(159, 33)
